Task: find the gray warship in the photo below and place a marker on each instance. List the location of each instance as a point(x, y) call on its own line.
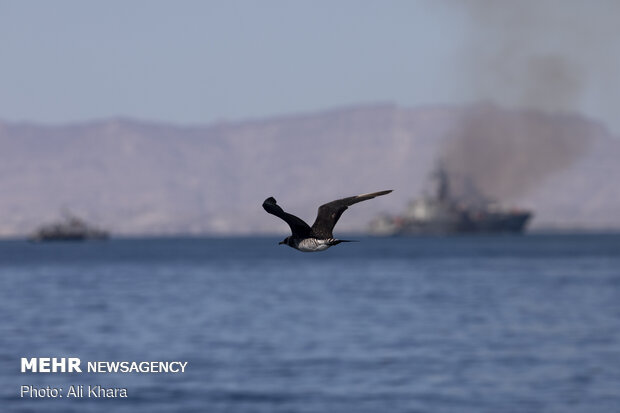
point(441, 213)
point(71, 228)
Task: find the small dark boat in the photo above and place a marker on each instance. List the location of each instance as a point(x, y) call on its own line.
point(71, 228)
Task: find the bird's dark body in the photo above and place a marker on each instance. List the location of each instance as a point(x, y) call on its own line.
point(319, 237)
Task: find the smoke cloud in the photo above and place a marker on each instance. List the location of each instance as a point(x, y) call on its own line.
point(528, 54)
point(534, 56)
point(503, 154)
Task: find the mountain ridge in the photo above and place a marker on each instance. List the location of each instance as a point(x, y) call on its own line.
point(154, 178)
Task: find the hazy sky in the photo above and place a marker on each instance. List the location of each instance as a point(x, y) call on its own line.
point(200, 61)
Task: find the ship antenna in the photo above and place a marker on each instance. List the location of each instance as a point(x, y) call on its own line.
point(443, 186)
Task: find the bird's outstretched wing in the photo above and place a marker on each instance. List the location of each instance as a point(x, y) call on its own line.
point(330, 213)
point(298, 227)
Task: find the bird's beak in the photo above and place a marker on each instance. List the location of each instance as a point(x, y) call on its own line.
point(281, 242)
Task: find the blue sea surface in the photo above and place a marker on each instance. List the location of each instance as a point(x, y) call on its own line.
point(462, 324)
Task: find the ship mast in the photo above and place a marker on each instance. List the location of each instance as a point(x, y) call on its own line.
point(441, 178)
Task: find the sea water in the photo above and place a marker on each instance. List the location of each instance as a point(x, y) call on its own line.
point(445, 324)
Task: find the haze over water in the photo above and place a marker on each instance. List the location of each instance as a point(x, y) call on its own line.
point(468, 324)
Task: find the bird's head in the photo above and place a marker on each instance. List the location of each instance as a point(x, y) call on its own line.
point(284, 241)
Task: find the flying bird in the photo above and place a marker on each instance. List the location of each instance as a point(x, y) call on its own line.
point(318, 237)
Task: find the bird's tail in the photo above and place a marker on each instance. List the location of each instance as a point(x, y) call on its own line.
point(338, 241)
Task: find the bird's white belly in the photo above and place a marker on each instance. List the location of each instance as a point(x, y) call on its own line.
point(313, 245)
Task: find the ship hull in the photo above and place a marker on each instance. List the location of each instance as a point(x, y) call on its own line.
point(65, 237)
point(489, 223)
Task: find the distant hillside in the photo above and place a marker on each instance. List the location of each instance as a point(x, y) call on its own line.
point(137, 177)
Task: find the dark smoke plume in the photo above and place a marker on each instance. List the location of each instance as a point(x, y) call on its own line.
point(503, 154)
point(530, 55)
